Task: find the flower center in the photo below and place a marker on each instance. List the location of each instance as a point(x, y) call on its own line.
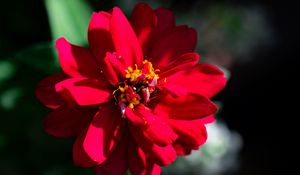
point(138, 87)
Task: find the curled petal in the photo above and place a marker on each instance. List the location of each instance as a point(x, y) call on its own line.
point(76, 61)
point(124, 38)
point(182, 149)
point(85, 91)
point(191, 132)
point(46, 93)
point(183, 62)
point(159, 155)
point(162, 156)
point(151, 126)
point(96, 144)
point(113, 68)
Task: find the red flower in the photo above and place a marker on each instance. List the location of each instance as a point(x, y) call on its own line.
point(136, 98)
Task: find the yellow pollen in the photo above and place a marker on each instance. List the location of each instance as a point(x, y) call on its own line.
point(132, 74)
point(122, 89)
point(140, 82)
point(130, 69)
point(133, 103)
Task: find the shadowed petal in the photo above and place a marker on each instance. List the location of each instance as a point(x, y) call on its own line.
point(188, 107)
point(139, 164)
point(165, 22)
point(85, 91)
point(182, 149)
point(96, 144)
point(46, 93)
point(117, 162)
point(124, 38)
point(159, 155)
point(162, 156)
point(76, 61)
point(191, 132)
point(136, 159)
point(143, 21)
point(176, 42)
point(99, 36)
point(66, 121)
point(183, 62)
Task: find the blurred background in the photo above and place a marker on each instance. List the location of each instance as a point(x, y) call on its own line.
point(253, 41)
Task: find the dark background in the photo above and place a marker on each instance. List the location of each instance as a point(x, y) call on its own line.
point(259, 101)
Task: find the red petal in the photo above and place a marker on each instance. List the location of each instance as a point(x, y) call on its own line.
point(188, 44)
point(203, 79)
point(183, 62)
point(85, 91)
point(143, 21)
point(99, 36)
point(187, 107)
point(76, 61)
point(67, 122)
point(182, 149)
point(176, 42)
point(175, 90)
point(125, 40)
point(136, 159)
point(94, 146)
point(46, 93)
point(162, 156)
point(138, 162)
point(159, 155)
point(153, 170)
point(113, 68)
point(208, 119)
point(191, 132)
point(140, 139)
point(151, 126)
point(165, 22)
point(117, 162)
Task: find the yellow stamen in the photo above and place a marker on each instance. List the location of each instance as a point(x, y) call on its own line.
point(122, 89)
point(131, 105)
point(130, 69)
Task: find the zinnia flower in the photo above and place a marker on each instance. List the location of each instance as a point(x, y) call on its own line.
point(136, 98)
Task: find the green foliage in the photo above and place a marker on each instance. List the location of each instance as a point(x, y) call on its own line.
point(41, 56)
point(7, 69)
point(69, 19)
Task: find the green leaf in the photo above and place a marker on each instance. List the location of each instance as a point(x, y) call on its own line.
point(9, 98)
point(69, 19)
point(41, 56)
point(7, 69)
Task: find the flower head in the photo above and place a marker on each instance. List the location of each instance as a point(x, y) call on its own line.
point(136, 98)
